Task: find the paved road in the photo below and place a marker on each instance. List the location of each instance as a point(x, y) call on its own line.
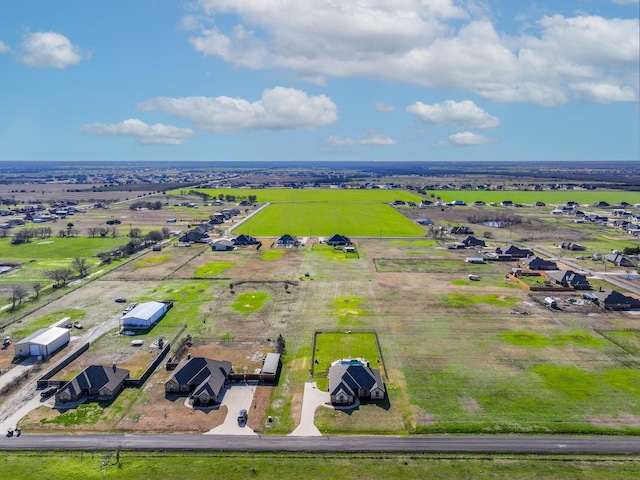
point(459, 444)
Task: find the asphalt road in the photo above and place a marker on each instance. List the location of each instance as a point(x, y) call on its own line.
point(436, 444)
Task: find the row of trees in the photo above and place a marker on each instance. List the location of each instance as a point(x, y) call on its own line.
point(95, 232)
point(60, 277)
point(26, 234)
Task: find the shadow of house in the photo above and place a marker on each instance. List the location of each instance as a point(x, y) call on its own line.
point(95, 382)
point(349, 381)
point(202, 378)
point(569, 278)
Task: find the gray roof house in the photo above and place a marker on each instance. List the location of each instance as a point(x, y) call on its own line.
point(203, 378)
point(537, 263)
point(95, 382)
point(351, 380)
point(618, 260)
point(514, 251)
point(338, 240)
point(569, 278)
point(614, 300)
point(473, 242)
point(287, 240)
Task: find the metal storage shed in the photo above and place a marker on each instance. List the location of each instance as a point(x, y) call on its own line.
point(144, 315)
point(43, 342)
point(271, 364)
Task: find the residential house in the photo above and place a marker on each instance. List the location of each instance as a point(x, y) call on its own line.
point(514, 251)
point(96, 382)
point(537, 263)
point(572, 246)
point(287, 240)
point(473, 242)
point(349, 380)
point(202, 378)
point(194, 236)
point(619, 260)
point(222, 245)
point(338, 240)
point(245, 240)
point(614, 300)
point(569, 278)
point(461, 230)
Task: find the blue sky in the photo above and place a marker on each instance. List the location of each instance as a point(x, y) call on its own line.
point(309, 80)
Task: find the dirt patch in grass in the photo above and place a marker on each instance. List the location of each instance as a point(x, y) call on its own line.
point(470, 405)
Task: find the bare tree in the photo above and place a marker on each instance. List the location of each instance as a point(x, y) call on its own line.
point(113, 231)
point(93, 232)
point(18, 293)
point(36, 288)
point(60, 275)
point(135, 232)
point(69, 228)
point(81, 266)
point(166, 232)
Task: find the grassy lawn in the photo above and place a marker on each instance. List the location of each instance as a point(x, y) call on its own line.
point(250, 301)
point(20, 330)
point(332, 346)
point(242, 465)
point(313, 219)
point(212, 269)
point(56, 248)
point(152, 260)
point(289, 195)
point(432, 265)
point(549, 196)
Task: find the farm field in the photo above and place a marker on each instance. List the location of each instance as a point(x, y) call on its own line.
point(459, 356)
point(322, 195)
point(306, 219)
point(552, 197)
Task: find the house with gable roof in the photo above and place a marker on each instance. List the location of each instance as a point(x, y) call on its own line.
point(96, 382)
point(338, 240)
point(202, 378)
point(353, 379)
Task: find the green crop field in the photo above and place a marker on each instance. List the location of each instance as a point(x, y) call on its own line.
point(553, 197)
point(324, 195)
point(58, 248)
point(312, 219)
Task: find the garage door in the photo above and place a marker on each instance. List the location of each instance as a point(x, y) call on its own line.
point(34, 350)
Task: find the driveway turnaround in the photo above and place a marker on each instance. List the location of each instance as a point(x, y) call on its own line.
point(313, 398)
point(235, 398)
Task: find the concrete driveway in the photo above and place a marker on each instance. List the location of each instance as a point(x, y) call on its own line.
point(313, 398)
point(235, 399)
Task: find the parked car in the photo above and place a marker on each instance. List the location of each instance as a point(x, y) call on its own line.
point(243, 416)
point(121, 300)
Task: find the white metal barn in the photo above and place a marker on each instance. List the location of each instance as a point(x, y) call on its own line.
point(144, 315)
point(43, 342)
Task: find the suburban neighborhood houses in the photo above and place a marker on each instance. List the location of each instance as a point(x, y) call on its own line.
point(407, 311)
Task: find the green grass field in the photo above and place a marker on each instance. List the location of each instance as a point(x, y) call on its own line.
point(553, 197)
point(313, 219)
point(323, 195)
point(56, 248)
point(242, 465)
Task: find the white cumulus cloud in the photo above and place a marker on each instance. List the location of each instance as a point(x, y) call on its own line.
point(142, 132)
point(50, 50)
point(466, 139)
point(441, 44)
point(464, 114)
point(336, 141)
point(4, 47)
point(279, 108)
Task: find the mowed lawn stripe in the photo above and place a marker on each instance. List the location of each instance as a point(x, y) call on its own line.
point(312, 219)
